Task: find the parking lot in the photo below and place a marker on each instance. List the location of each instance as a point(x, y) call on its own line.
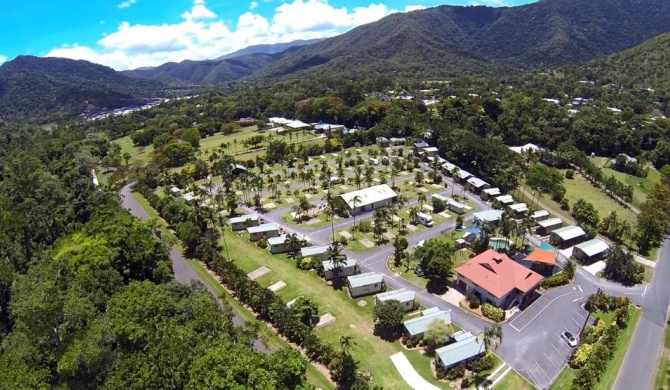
point(533, 345)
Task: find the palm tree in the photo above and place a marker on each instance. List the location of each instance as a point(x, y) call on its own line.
point(492, 336)
point(292, 243)
point(355, 201)
point(358, 176)
point(413, 213)
point(346, 343)
point(338, 260)
point(393, 174)
point(369, 175)
point(454, 172)
point(223, 222)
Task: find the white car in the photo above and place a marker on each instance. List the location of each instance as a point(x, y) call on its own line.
point(569, 338)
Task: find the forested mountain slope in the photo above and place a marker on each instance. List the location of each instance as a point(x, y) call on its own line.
point(46, 89)
point(447, 39)
point(268, 49)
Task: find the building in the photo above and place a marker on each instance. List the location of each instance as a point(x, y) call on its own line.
point(490, 193)
point(238, 169)
point(518, 209)
point(524, 149)
point(467, 348)
point(547, 226)
point(365, 284)
point(348, 268)
point(590, 251)
point(175, 191)
point(497, 279)
point(403, 295)
point(320, 252)
point(491, 216)
point(297, 125)
point(278, 244)
point(244, 221)
point(397, 141)
point(416, 327)
point(419, 146)
point(188, 198)
point(567, 236)
point(456, 207)
point(477, 185)
point(463, 175)
point(383, 142)
point(540, 215)
point(267, 230)
point(448, 168)
point(439, 197)
point(369, 198)
point(430, 151)
point(326, 127)
point(505, 200)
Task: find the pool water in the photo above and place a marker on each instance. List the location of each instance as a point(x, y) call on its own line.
point(547, 247)
point(498, 243)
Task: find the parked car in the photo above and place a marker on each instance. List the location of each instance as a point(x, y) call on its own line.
point(569, 338)
point(418, 270)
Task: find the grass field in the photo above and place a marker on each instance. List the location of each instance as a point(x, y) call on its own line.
point(351, 319)
point(607, 378)
point(513, 381)
point(663, 370)
point(641, 186)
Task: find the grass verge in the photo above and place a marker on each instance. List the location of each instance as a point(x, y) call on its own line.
point(663, 370)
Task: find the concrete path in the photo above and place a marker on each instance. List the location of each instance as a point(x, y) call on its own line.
point(409, 374)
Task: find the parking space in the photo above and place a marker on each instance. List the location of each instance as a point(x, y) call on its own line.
point(533, 344)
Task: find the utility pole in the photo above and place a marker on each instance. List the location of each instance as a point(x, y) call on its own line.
point(588, 316)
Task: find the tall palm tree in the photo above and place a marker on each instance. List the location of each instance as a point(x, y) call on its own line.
point(292, 243)
point(355, 202)
point(338, 260)
point(394, 173)
point(223, 222)
point(492, 336)
point(346, 343)
point(413, 212)
point(358, 176)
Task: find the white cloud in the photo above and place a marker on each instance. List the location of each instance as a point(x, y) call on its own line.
point(410, 8)
point(253, 5)
point(3, 59)
point(127, 4)
point(202, 35)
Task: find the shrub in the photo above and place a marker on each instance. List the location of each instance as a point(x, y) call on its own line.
point(451, 374)
point(484, 363)
point(581, 356)
point(555, 280)
point(569, 174)
point(308, 263)
point(604, 302)
point(343, 241)
point(621, 316)
point(262, 243)
point(474, 302)
point(411, 342)
point(565, 204)
point(493, 313)
point(365, 226)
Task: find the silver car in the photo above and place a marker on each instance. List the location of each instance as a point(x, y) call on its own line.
point(569, 338)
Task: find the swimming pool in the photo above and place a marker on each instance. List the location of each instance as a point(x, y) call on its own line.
point(547, 247)
point(499, 243)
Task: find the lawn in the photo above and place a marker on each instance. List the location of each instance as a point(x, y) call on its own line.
point(607, 378)
point(641, 185)
point(663, 370)
point(351, 319)
point(513, 381)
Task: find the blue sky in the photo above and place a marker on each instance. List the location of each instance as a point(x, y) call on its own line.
point(126, 34)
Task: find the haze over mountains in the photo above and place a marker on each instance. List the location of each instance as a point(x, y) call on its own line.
point(436, 42)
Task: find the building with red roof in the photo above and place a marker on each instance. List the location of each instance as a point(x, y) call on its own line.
point(497, 279)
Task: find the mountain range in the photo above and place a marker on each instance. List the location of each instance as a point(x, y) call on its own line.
point(269, 48)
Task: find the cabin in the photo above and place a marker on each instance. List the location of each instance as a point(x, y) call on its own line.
point(490, 193)
point(467, 347)
point(456, 207)
point(365, 284)
point(416, 327)
point(418, 148)
point(567, 236)
point(320, 252)
point(540, 215)
point(369, 198)
point(278, 244)
point(347, 268)
point(397, 141)
point(383, 142)
point(477, 185)
point(175, 191)
point(244, 221)
point(504, 200)
point(544, 228)
point(267, 230)
point(518, 210)
point(590, 251)
point(403, 295)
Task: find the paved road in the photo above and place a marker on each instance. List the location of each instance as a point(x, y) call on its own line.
point(183, 272)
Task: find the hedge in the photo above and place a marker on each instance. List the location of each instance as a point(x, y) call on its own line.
point(555, 281)
point(494, 313)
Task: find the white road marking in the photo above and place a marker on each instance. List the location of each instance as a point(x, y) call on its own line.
point(581, 316)
point(551, 361)
point(559, 352)
point(535, 382)
point(645, 289)
point(578, 324)
point(541, 311)
point(575, 300)
point(514, 327)
point(580, 288)
point(540, 367)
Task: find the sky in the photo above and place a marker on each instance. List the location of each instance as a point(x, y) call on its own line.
point(128, 34)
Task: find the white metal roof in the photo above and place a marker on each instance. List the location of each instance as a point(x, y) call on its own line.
point(400, 295)
point(266, 227)
point(313, 250)
point(297, 124)
point(518, 207)
point(449, 166)
point(456, 204)
point(328, 265)
point(463, 174)
point(279, 240)
point(440, 197)
point(550, 222)
point(492, 191)
point(369, 195)
point(430, 149)
point(505, 199)
point(593, 247)
point(569, 232)
point(488, 215)
point(526, 147)
point(365, 279)
point(540, 213)
point(477, 182)
point(460, 350)
point(243, 218)
point(420, 325)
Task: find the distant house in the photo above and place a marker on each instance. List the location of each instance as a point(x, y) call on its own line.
point(418, 148)
point(416, 327)
point(547, 226)
point(540, 215)
point(267, 230)
point(397, 141)
point(448, 168)
point(477, 185)
point(463, 175)
point(504, 200)
point(278, 244)
point(491, 216)
point(490, 193)
point(175, 191)
point(364, 284)
point(403, 295)
point(238, 169)
point(518, 209)
point(430, 151)
point(629, 159)
point(525, 148)
point(467, 348)
point(369, 198)
point(497, 279)
point(244, 221)
point(383, 142)
point(590, 251)
point(346, 269)
point(456, 207)
point(297, 125)
point(567, 236)
point(320, 252)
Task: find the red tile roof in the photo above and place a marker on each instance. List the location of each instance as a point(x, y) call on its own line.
point(498, 274)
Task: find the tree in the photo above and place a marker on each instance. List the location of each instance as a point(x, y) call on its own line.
point(585, 214)
point(622, 267)
point(651, 226)
point(388, 318)
point(306, 310)
point(126, 157)
point(178, 153)
point(419, 177)
point(413, 213)
point(292, 243)
point(355, 202)
point(338, 259)
point(492, 336)
point(439, 269)
point(399, 246)
point(437, 334)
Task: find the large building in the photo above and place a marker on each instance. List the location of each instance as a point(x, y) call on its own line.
point(497, 279)
point(369, 198)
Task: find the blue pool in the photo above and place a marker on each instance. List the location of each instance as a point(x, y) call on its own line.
point(547, 247)
point(499, 243)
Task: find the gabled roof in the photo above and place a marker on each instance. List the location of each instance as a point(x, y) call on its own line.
point(463, 174)
point(297, 124)
point(488, 215)
point(569, 232)
point(449, 166)
point(266, 227)
point(593, 247)
point(460, 350)
point(421, 144)
point(328, 265)
point(243, 218)
point(400, 295)
point(477, 182)
point(505, 199)
point(540, 213)
point(369, 195)
point(542, 256)
point(498, 274)
point(313, 250)
point(365, 279)
point(420, 325)
point(550, 222)
point(492, 191)
point(461, 335)
point(519, 207)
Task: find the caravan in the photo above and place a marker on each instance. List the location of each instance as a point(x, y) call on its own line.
point(424, 219)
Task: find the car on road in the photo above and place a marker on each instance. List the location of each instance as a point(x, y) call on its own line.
point(418, 270)
point(569, 339)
